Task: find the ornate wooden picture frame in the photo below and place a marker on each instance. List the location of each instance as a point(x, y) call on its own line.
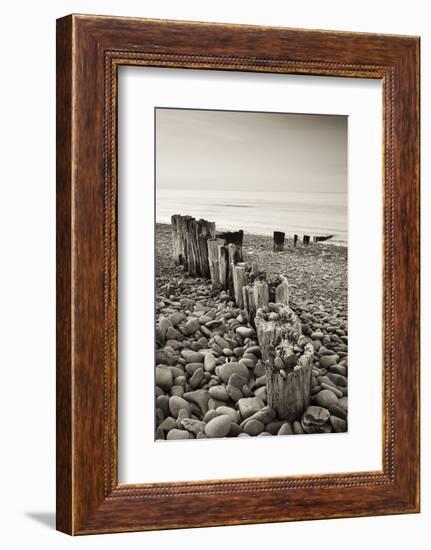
point(89, 51)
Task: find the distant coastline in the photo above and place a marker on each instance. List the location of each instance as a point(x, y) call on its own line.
point(257, 213)
point(248, 235)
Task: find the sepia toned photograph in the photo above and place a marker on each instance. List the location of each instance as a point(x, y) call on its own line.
point(251, 261)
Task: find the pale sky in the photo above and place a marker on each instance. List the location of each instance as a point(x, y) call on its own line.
point(246, 150)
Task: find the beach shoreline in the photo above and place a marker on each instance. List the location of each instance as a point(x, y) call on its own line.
point(305, 266)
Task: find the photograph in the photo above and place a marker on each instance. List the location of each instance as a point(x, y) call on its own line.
point(251, 256)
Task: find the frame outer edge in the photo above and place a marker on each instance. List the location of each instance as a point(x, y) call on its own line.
point(64, 300)
point(407, 280)
point(81, 508)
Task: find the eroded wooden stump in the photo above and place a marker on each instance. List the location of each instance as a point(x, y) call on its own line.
point(189, 243)
point(282, 291)
point(233, 237)
point(288, 358)
point(213, 259)
point(239, 282)
point(278, 242)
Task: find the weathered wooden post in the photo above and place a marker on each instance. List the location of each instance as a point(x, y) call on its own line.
point(249, 305)
point(175, 239)
point(232, 260)
point(179, 239)
point(321, 238)
point(288, 358)
point(278, 244)
point(204, 231)
point(295, 239)
point(233, 237)
point(223, 265)
point(239, 282)
point(306, 239)
point(260, 293)
point(213, 259)
point(282, 291)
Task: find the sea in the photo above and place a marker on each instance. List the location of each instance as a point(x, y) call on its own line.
point(260, 212)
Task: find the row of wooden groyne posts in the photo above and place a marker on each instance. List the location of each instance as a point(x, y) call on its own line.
point(204, 252)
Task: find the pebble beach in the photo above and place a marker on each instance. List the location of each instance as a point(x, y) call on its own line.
point(210, 379)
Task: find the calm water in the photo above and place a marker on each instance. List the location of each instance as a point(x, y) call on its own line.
point(260, 212)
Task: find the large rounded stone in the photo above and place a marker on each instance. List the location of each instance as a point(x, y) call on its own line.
point(179, 434)
point(245, 332)
point(226, 370)
point(182, 414)
point(327, 360)
point(253, 427)
point(196, 379)
point(261, 393)
point(191, 326)
point(176, 318)
point(177, 390)
point(336, 410)
point(192, 367)
point(192, 356)
point(338, 424)
point(162, 402)
point(315, 420)
point(265, 415)
point(219, 392)
point(164, 324)
point(221, 342)
point(177, 403)
point(199, 397)
point(249, 405)
point(248, 362)
point(338, 369)
point(172, 334)
point(209, 362)
point(238, 351)
point(338, 379)
point(232, 413)
point(325, 398)
point(333, 389)
point(167, 424)
point(164, 377)
point(214, 403)
point(204, 319)
point(236, 381)
point(192, 425)
point(219, 426)
point(234, 393)
point(212, 413)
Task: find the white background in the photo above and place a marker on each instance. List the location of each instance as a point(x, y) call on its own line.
point(27, 273)
point(141, 458)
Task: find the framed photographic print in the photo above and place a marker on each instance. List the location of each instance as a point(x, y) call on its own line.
point(237, 274)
